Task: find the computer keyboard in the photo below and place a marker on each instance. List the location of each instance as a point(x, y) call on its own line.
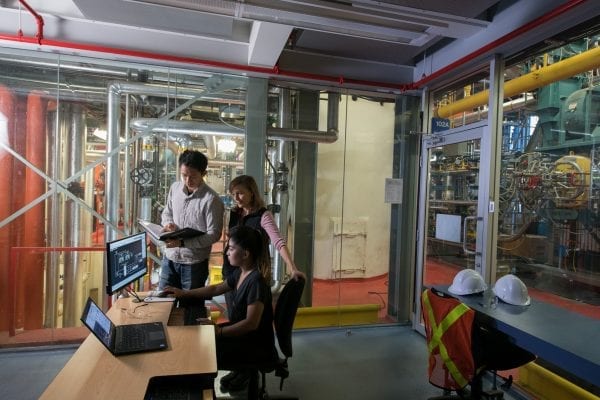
point(178, 387)
point(131, 338)
point(171, 393)
point(155, 299)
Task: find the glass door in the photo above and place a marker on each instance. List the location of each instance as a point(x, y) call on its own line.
point(449, 219)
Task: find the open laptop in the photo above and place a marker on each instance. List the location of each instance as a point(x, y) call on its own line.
point(123, 339)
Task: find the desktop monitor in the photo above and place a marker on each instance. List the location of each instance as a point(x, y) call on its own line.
point(125, 261)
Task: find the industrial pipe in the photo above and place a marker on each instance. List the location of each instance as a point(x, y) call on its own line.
point(582, 62)
point(34, 234)
point(215, 129)
point(328, 136)
point(7, 134)
point(39, 20)
point(73, 232)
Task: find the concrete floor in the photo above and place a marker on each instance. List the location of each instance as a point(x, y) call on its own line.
point(384, 362)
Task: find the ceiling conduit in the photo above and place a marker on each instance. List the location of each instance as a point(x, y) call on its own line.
point(582, 62)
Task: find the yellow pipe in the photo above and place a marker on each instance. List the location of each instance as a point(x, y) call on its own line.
point(582, 62)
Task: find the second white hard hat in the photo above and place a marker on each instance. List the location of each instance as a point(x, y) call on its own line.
point(512, 290)
point(467, 281)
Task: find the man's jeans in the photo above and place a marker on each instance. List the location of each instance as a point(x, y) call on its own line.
point(186, 276)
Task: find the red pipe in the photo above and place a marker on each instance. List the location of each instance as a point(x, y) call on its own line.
point(32, 267)
point(504, 39)
point(39, 20)
point(7, 108)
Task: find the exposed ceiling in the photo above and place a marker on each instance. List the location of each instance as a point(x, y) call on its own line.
point(361, 40)
point(383, 44)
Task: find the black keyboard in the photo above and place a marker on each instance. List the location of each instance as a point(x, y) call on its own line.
point(178, 387)
point(131, 338)
point(171, 393)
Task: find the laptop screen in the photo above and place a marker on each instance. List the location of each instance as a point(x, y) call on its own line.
point(98, 322)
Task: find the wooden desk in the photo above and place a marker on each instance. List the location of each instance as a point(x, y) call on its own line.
point(554, 334)
point(94, 373)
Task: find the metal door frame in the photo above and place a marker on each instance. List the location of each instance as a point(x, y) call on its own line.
point(470, 132)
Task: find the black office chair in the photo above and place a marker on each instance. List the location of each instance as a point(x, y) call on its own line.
point(283, 318)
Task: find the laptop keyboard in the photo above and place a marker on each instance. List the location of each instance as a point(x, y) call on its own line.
point(172, 393)
point(131, 338)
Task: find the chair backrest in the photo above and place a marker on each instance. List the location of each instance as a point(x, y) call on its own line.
point(285, 313)
point(448, 328)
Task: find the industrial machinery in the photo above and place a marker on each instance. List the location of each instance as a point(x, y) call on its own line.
point(549, 199)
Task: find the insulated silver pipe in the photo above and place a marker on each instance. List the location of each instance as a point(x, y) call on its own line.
point(207, 130)
point(54, 227)
point(75, 135)
point(303, 135)
point(216, 129)
point(281, 185)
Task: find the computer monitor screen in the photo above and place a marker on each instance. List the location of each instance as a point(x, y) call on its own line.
point(125, 261)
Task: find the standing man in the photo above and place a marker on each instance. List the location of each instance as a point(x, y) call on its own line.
point(191, 204)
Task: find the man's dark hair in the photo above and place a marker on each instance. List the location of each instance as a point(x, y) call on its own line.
point(194, 159)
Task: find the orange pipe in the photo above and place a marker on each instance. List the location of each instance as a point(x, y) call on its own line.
point(7, 109)
point(18, 187)
point(15, 257)
point(34, 219)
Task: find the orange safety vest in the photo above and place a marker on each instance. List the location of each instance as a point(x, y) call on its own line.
point(448, 328)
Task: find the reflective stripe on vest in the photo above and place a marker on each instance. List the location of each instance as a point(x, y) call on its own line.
point(438, 331)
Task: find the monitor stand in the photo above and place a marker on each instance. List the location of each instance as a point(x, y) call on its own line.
point(126, 292)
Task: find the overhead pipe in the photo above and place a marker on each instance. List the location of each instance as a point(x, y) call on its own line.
point(582, 62)
point(39, 20)
point(207, 130)
point(509, 106)
point(214, 129)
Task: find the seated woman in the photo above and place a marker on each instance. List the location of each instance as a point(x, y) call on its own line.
point(248, 335)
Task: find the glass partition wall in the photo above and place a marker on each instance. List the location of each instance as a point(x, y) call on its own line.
point(89, 147)
point(546, 178)
point(549, 216)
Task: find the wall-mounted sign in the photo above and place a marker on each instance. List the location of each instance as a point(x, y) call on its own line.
point(439, 124)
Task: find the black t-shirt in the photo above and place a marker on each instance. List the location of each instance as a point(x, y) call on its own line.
point(253, 288)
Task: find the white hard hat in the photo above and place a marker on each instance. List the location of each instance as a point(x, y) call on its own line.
point(467, 281)
point(512, 290)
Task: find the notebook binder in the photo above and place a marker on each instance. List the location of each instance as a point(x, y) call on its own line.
point(156, 232)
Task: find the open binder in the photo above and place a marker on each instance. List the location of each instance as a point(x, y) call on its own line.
point(156, 232)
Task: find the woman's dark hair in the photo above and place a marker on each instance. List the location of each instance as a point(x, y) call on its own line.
point(248, 183)
point(252, 241)
point(194, 159)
